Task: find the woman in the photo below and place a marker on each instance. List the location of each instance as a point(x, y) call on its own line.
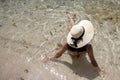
point(78, 40)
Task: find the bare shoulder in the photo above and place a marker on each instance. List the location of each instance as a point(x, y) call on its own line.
point(89, 45)
point(89, 48)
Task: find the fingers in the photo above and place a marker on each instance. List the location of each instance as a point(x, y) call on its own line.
point(52, 59)
point(103, 72)
point(45, 59)
point(100, 71)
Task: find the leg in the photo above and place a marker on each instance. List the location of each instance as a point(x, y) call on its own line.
point(71, 21)
point(70, 24)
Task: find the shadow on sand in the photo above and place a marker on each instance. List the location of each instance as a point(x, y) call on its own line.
point(81, 67)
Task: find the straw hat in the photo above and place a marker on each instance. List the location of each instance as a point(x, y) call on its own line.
point(80, 34)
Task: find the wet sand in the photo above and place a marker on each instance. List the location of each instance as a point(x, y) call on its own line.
point(31, 29)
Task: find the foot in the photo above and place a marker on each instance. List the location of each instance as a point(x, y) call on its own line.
point(71, 16)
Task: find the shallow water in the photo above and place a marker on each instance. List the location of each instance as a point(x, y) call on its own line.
point(31, 29)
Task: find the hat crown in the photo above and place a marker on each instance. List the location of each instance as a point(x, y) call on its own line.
point(86, 29)
point(76, 31)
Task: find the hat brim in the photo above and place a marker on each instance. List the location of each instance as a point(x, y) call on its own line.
point(88, 35)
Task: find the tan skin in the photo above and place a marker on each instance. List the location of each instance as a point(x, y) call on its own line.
point(89, 49)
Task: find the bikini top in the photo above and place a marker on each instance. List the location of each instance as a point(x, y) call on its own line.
point(82, 49)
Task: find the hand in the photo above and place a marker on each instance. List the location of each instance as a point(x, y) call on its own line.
point(103, 72)
point(45, 59)
point(99, 70)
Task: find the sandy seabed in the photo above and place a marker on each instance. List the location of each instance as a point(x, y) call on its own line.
point(31, 29)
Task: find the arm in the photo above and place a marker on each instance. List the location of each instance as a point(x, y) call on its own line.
point(59, 53)
point(91, 56)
